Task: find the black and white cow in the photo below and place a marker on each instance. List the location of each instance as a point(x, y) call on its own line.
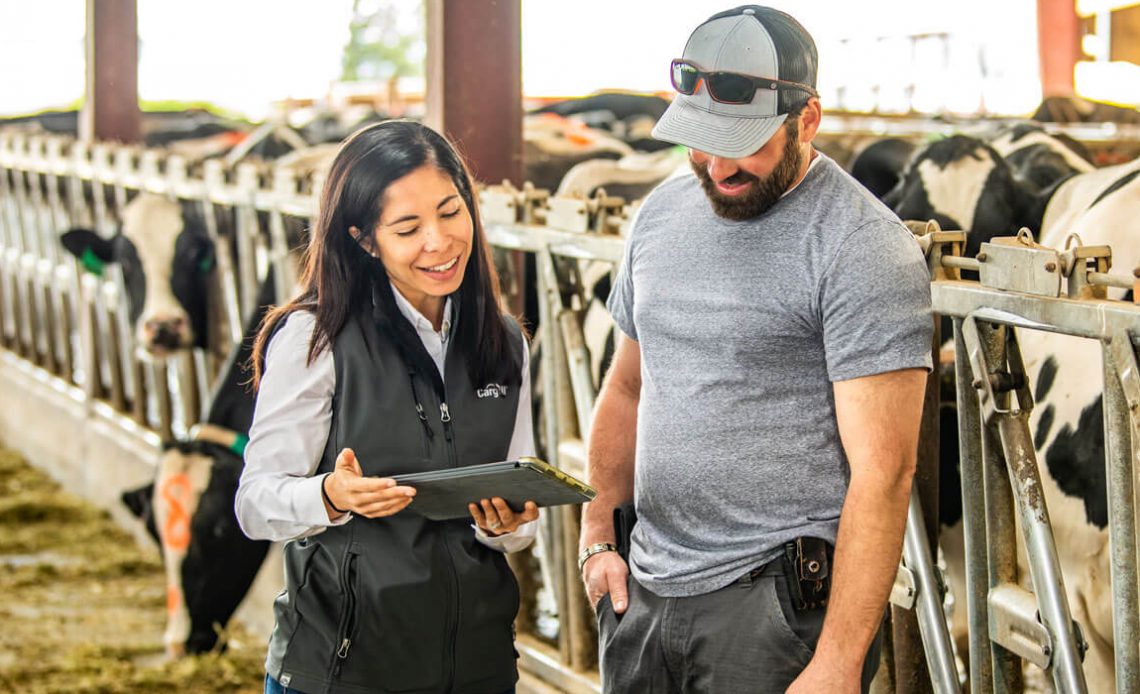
point(1067, 421)
point(1038, 159)
point(626, 115)
point(553, 144)
point(879, 165)
point(210, 563)
point(632, 177)
point(964, 183)
point(167, 260)
point(167, 263)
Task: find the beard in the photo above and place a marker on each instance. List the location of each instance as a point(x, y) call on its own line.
point(764, 192)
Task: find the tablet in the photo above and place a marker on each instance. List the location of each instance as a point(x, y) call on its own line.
point(444, 494)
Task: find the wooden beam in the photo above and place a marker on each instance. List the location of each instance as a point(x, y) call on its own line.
point(111, 109)
point(474, 82)
point(1058, 45)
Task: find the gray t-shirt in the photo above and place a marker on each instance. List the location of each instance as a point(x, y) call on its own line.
point(743, 327)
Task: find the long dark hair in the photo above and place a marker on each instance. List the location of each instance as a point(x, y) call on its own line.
point(340, 277)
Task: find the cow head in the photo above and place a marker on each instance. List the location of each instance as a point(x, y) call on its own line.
point(166, 258)
point(963, 183)
point(1040, 160)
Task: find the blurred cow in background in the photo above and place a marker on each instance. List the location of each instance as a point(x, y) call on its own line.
point(167, 262)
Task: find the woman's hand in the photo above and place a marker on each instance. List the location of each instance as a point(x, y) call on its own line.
point(372, 497)
point(495, 517)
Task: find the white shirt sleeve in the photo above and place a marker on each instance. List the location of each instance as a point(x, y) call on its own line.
point(278, 497)
point(522, 444)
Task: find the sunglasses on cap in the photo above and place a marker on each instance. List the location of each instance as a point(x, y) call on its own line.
point(727, 87)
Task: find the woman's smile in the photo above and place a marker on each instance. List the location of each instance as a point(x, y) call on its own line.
point(442, 272)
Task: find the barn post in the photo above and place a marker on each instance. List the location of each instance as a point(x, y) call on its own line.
point(474, 89)
point(1058, 45)
point(111, 110)
point(474, 82)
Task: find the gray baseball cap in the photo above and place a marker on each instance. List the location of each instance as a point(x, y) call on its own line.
point(750, 40)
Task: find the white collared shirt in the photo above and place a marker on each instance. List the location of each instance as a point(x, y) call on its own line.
point(279, 498)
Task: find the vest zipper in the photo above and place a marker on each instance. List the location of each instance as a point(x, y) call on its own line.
point(445, 418)
point(347, 619)
point(453, 626)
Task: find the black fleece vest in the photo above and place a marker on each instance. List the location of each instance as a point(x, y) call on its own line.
point(401, 604)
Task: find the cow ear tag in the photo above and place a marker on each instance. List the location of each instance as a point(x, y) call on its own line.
point(91, 262)
point(239, 444)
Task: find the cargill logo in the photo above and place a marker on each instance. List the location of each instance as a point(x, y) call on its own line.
point(491, 390)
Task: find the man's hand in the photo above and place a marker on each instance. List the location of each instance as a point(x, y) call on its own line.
point(606, 572)
point(820, 676)
point(495, 517)
point(372, 497)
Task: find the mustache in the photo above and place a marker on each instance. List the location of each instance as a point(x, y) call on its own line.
point(740, 177)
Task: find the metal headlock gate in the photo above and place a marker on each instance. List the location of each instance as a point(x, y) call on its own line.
point(69, 350)
point(84, 403)
point(1029, 287)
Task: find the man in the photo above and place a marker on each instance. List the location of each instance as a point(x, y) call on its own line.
point(766, 391)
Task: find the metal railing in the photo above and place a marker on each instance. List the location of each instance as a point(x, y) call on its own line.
point(73, 326)
point(1027, 287)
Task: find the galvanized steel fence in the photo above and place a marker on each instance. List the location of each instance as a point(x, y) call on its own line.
point(72, 329)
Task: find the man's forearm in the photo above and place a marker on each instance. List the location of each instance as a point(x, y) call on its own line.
point(867, 552)
point(610, 464)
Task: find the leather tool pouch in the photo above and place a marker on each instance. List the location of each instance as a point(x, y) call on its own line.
point(624, 520)
point(807, 569)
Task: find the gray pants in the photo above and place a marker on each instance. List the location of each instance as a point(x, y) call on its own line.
point(744, 637)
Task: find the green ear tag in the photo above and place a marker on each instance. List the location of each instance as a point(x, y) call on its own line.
point(239, 444)
point(206, 264)
point(91, 262)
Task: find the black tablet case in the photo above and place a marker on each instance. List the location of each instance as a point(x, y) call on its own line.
point(444, 494)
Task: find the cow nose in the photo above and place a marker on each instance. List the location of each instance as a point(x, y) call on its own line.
point(166, 332)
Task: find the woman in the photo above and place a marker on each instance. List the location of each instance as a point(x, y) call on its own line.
point(377, 369)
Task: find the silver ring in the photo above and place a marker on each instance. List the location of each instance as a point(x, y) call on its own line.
point(494, 526)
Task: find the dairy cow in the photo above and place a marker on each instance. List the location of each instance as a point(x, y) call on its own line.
point(964, 183)
point(626, 115)
point(879, 165)
point(167, 261)
point(1040, 160)
point(1067, 421)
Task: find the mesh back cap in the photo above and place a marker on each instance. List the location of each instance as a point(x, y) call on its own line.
point(750, 40)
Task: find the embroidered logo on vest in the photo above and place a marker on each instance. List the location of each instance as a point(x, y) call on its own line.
point(491, 390)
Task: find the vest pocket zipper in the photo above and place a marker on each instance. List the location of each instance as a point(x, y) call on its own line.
point(347, 623)
point(428, 433)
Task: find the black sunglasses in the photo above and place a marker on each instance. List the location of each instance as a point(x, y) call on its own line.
point(727, 87)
